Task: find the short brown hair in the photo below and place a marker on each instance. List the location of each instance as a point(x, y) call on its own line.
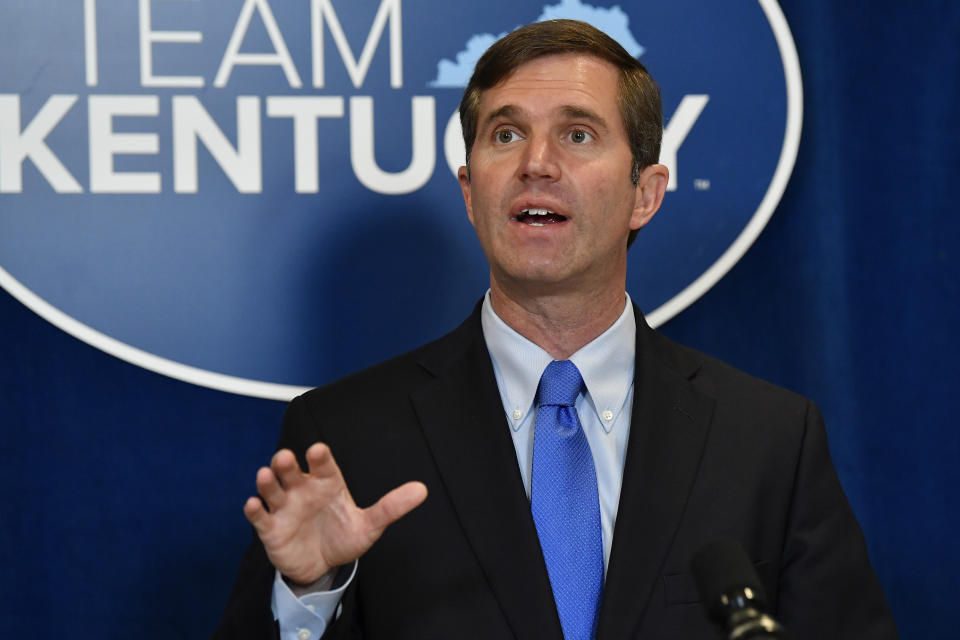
point(639, 95)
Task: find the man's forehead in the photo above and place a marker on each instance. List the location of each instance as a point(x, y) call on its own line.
point(576, 85)
point(557, 66)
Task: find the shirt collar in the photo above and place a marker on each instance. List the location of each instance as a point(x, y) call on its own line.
point(606, 364)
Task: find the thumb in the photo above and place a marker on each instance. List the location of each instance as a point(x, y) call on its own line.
point(394, 505)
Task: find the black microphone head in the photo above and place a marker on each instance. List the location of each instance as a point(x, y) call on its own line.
point(723, 570)
point(722, 566)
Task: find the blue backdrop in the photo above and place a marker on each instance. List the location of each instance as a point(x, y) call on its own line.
point(123, 489)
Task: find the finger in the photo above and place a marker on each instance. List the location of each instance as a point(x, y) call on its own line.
point(269, 488)
point(395, 505)
point(285, 467)
point(320, 461)
point(256, 514)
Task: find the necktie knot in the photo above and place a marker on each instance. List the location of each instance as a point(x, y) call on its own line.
point(560, 384)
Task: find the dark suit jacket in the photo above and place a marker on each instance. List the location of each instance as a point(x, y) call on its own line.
point(712, 453)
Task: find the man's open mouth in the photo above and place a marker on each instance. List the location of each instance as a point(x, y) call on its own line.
point(539, 217)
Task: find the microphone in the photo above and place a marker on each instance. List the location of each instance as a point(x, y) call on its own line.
point(732, 593)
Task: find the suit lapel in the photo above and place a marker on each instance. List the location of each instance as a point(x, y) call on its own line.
point(462, 418)
point(668, 432)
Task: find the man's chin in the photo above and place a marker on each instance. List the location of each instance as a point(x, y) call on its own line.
point(541, 278)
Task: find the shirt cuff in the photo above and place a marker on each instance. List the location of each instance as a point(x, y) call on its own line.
point(307, 617)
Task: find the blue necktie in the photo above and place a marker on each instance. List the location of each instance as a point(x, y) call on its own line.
point(565, 504)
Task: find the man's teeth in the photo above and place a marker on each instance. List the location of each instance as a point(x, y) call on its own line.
point(525, 213)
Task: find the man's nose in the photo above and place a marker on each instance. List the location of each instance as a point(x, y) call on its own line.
point(540, 160)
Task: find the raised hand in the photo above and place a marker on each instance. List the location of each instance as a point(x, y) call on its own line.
point(313, 525)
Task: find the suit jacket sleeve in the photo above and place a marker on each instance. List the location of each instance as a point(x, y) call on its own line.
point(827, 587)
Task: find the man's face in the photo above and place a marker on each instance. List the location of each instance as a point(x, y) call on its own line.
point(549, 191)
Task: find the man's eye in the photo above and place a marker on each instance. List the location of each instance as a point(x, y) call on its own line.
point(505, 135)
point(580, 136)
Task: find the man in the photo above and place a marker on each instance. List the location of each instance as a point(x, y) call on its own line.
point(574, 459)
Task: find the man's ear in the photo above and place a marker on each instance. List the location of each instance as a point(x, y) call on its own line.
point(463, 175)
point(651, 187)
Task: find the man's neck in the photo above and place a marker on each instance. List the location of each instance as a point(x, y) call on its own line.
point(560, 323)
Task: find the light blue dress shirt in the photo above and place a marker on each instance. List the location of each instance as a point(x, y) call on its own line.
point(606, 364)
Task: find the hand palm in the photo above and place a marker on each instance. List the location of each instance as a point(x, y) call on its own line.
point(313, 524)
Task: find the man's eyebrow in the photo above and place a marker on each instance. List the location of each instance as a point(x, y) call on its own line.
point(580, 113)
point(506, 111)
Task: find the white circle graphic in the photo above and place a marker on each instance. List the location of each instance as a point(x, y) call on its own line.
point(679, 302)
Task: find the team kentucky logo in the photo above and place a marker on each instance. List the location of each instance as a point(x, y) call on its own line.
point(257, 195)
